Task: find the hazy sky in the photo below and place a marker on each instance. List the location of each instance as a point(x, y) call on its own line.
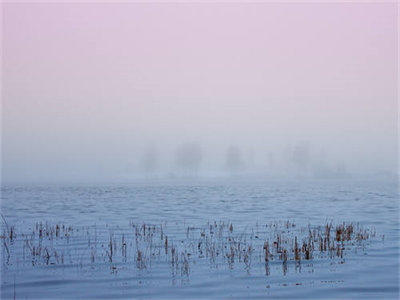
point(88, 87)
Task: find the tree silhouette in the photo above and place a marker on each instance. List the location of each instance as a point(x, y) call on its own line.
point(150, 160)
point(234, 161)
point(188, 158)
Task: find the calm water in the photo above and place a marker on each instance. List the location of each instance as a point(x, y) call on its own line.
point(368, 270)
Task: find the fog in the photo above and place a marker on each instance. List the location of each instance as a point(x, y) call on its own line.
point(125, 92)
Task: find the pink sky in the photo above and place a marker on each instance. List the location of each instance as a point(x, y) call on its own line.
point(78, 78)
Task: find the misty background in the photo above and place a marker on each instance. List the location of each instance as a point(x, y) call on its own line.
point(120, 92)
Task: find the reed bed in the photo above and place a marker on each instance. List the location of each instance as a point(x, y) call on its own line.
point(145, 246)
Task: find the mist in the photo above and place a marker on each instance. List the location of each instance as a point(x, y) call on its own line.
point(127, 92)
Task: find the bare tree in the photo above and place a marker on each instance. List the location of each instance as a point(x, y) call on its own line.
point(301, 156)
point(188, 158)
point(234, 162)
point(150, 160)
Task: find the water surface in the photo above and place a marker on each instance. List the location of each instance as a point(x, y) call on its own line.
point(368, 270)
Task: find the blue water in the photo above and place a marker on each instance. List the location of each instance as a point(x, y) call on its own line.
point(369, 270)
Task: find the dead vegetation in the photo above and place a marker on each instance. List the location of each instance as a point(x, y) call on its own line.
point(215, 244)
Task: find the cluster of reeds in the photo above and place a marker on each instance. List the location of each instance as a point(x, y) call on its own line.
point(217, 243)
